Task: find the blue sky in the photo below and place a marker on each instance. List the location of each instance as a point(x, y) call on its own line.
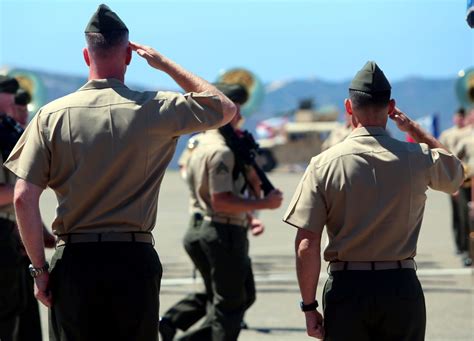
point(277, 40)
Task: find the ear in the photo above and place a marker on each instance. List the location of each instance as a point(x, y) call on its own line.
point(391, 107)
point(348, 105)
point(85, 53)
point(128, 57)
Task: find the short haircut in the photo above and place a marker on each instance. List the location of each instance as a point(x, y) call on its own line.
point(102, 43)
point(362, 99)
point(461, 112)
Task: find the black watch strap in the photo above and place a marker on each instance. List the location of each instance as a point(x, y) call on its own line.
point(309, 307)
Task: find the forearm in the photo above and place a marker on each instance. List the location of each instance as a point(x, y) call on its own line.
point(6, 194)
point(230, 203)
point(189, 82)
point(422, 136)
point(308, 265)
point(29, 222)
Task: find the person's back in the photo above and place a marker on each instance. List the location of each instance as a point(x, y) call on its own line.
point(101, 135)
point(391, 177)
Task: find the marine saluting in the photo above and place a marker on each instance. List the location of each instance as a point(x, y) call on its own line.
point(103, 150)
point(372, 244)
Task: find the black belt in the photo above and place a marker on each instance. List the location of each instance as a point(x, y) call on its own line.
point(364, 266)
point(228, 220)
point(134, 237)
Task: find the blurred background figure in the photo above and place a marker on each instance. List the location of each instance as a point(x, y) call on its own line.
point(449, 138)
point(464, 149)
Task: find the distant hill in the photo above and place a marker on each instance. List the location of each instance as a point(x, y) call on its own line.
point(416, 96)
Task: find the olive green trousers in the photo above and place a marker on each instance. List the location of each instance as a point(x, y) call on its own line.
point(105, 291)
point(386, 305)
point(188, 311)
point(221, 256)
point(12, 282)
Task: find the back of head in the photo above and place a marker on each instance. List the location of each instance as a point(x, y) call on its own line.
point(106, 34)
point(8, 88)
point(370, 89)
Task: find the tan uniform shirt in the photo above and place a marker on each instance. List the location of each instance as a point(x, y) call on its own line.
point(450, 137)
point(210, 171)
point(337, 135)
point(104, 150)
point(369, 191)
point(7, 178)
point(465, 150)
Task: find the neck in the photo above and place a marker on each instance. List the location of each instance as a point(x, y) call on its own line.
point(107, 69)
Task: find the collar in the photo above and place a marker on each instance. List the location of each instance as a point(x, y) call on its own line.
point(102, 84)
point(368, 131)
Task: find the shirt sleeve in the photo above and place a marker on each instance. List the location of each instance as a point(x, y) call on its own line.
point(220, 168)
point(307, 207)
point(446, 172)
point(192, 112)
point(30, 158)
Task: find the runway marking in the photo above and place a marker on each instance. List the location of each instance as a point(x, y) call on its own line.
point(287, 277)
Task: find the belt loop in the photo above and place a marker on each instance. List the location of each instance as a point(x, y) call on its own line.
point(372, 265)
point(133, 237)
point(416, 265)
point(68, 238)
point(99, 237)
point(399, 264)
point(346, 264)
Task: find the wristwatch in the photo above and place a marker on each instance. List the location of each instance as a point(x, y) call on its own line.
point(35, 272)
point(309, 307)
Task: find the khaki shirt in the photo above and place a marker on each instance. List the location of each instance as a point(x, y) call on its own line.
point(465, 150)
point(450, 137)
point(369, 191)
point(7, 178)
point(104, 150)
point(337, 135)
point(210, 171)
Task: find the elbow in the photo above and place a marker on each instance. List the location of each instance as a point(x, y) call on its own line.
point(20, 201)
point(307, 244)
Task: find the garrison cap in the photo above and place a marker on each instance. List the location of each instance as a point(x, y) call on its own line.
point(105, 20)
point(235, 92)
point(8, 84)
point(22, 97)
point(370, 79)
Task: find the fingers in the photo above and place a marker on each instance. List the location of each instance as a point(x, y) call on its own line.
point(45, 297)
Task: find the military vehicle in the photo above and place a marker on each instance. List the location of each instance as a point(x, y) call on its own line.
point(299, 135)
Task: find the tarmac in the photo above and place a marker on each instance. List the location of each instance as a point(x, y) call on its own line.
point(448, 285)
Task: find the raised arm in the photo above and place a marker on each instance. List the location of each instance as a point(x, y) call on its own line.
point(188, 81)
point(405, 124)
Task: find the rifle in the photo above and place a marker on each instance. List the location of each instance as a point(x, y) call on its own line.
point(245, 149)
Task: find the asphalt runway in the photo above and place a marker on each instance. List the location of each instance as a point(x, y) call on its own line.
point(448, 286)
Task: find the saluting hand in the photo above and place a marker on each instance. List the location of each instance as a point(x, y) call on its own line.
point(314, 324)
point(154, 58)
point(403, 121)
point(42, 292)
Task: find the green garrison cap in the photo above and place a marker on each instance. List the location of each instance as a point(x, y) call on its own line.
point(370, 79)
point(8, 84)
point(236, 92)
point(22, 97)
point(105, 20)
